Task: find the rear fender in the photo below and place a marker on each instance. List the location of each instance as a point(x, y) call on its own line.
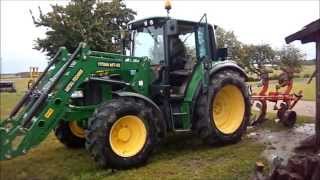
point(223, 65)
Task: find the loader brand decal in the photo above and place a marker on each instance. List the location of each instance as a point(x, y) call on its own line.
point(109, 65)
point(102, 73)
point(73, 80)
point(48, 113)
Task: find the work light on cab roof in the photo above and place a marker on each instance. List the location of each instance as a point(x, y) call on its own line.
point(167, 6)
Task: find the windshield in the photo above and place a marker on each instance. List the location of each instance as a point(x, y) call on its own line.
point(148, 41)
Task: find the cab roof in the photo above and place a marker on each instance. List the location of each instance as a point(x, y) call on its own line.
point(158, 20)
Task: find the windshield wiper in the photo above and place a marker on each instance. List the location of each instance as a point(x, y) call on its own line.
point(152, 35)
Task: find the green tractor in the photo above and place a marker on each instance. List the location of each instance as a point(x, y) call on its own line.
point(120, 107)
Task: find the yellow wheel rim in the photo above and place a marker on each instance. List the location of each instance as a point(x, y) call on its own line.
point(128, 136)
point(76, 129)
point(228, 109)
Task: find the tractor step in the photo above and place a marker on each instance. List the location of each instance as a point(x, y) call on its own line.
point(179, 114)
point(176, 97)
point(182, 130)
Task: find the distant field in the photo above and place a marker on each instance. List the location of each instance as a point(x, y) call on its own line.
point(306, 70)
point(299, 83)
point(8, 100)
point(309, 90)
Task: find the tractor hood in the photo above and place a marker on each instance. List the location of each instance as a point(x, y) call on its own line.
point(134, 73)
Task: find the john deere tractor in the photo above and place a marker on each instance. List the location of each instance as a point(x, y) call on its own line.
point(120, 107)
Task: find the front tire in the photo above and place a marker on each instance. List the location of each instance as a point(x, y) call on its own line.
point(121, 134)
point(223, 114)
point(70, 134)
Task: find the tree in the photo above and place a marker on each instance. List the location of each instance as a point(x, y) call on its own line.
point(290, 57)
point(257, 57)
point(227, 39)
point(95, 22)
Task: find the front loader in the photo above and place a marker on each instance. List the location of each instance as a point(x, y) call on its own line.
point(120, 107)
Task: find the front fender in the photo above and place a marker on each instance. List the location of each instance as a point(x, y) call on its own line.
point(151, 103)
point(222, 65)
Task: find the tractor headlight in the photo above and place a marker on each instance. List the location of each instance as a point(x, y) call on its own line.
point(77, 94)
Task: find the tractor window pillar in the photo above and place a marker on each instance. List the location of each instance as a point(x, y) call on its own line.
point(318, 93)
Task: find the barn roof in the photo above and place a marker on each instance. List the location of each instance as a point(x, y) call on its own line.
point(309, 33)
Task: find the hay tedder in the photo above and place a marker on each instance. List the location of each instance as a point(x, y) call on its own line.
point(120, 107)
point(33, 75)
point(283, 101)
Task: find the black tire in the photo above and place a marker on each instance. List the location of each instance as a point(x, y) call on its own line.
point(66, 137)
point(203, 123)
point(99, 127)
point(289, 118)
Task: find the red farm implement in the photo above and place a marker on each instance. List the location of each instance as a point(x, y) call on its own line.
point(284, 100)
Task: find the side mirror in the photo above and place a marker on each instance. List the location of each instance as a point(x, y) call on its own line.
point(222, 53)
point(172, 27)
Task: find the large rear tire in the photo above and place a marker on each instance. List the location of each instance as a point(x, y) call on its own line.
point(70, 134)
point(122, 133)
point(223, 114)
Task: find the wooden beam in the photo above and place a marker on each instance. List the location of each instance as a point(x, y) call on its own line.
point(318, 95)
point(305, 33)
point(314, 37)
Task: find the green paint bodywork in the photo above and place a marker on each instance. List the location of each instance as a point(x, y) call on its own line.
point(17, 136)
point(70, 72)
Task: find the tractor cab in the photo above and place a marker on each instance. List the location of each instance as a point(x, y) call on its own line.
point(174, 47)
point(161, 35)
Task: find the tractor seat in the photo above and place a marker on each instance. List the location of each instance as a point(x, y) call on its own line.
point(179, 77)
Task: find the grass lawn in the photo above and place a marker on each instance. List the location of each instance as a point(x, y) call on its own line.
point(180, 157)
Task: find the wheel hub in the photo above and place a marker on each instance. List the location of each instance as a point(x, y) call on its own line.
point(124, 134)
point(228, 108)
point(128, 136)
point(76, 129)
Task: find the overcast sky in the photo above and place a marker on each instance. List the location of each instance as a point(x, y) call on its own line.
point(253, 22)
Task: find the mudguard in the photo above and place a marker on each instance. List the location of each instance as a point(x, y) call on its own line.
point(221, 65)
point(150, 102)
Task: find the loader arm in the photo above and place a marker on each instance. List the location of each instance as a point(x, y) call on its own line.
point(42, 107)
